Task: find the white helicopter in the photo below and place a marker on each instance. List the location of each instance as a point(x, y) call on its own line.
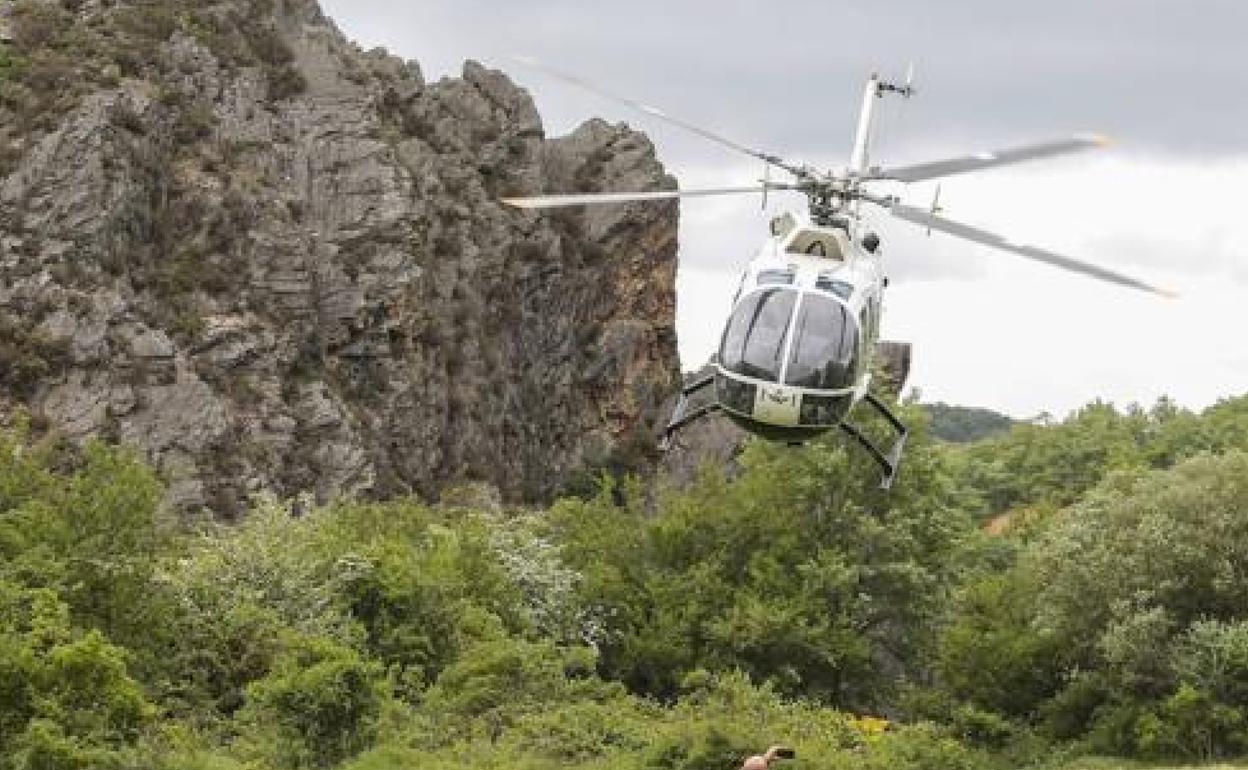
point(797, 349)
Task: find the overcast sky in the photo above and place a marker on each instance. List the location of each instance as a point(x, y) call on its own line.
point(1167, 80)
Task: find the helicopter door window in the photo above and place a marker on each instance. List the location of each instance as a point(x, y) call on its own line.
point(753, 344)
point(775, 276)
point(825, 346)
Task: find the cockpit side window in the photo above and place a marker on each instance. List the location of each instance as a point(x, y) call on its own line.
point(842, 289)
point(825, 345)
point(753, 343)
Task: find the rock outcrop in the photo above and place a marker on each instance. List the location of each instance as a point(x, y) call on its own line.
point(276, 262)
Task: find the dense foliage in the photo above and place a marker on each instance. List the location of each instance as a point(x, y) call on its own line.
point(643, 625)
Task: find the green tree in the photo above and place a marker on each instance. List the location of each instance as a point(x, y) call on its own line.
point(318, 706)
point(1122, 618)
point(67, 699)
point(84, 523)
point(798, 571)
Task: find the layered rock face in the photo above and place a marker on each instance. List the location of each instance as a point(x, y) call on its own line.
point(276, 262)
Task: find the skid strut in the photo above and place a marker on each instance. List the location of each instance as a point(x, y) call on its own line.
point(682, 415)
point(888, 462)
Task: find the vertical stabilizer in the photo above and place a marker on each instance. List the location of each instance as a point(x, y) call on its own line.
point(860, 160)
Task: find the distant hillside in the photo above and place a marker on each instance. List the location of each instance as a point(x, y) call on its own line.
point(963, 424)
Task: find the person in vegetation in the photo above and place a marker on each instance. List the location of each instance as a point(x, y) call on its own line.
point(763, 761)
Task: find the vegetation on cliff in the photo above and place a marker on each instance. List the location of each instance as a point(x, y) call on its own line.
point(647, 627)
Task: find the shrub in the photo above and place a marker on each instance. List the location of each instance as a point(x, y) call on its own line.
point(319, 706)
point(12, 64)
point(28, 356)
point(66, 696)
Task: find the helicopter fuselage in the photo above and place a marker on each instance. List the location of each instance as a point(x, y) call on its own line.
point(795, 354)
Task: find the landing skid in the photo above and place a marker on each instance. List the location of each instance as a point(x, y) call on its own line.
point(888, 462)
point(682, 415)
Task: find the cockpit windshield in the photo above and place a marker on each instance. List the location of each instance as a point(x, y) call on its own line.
point(753, 344)
point(825, 345)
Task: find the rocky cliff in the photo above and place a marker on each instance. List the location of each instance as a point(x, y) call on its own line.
point(274, 261)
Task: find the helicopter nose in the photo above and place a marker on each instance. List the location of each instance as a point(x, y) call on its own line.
point(778, 405)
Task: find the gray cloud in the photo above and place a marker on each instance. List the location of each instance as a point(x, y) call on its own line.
point(1160, 74)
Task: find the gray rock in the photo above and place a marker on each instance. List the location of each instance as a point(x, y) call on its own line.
point(316, 290)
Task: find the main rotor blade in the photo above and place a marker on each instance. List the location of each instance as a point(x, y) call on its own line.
point(924, 218)
point(583, 199)
point(979, 161)
point(661, 115)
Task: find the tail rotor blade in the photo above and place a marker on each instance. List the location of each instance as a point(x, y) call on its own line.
point(926, 219)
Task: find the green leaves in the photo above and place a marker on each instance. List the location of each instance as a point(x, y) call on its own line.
point(66, 696)
point(318, 706)
point(83, 523)
point(1212, 656)
point(1042, 462)
point(798, 571)
point(1123, 618)
point(676, 628)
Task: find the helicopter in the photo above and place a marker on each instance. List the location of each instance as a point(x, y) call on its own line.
point(798, 348)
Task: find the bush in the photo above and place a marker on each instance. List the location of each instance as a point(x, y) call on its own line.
point(318, 706)
point(1212, 656)
point(991, 655)
point(67, 699)
point(82, 522)
point(799, 571)
point(1121, 621)
point(12, 64)
point(28, 357)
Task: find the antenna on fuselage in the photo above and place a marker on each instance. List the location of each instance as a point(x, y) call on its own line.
point(935, 209)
